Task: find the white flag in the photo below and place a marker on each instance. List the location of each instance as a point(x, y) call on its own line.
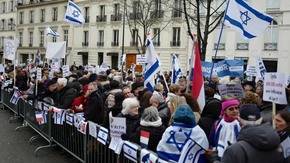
point(73, 14)
point(50, 32)
point(10, 47)
point(55, 50)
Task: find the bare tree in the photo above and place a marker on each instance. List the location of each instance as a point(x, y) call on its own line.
point(144, 14)
point(205, 16)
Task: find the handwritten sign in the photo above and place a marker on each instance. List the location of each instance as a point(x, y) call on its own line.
point(274, 88)
point(231, 91)
point(117, 128)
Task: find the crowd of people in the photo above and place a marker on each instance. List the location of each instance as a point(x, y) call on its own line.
point(228, 130)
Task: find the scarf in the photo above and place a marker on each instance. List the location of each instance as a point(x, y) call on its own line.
point(226, 134)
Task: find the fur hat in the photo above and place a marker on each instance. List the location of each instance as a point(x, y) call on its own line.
point(128, 104)
point(185, 115)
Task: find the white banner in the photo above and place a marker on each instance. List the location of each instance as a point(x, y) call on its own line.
point(55, 50)
point(10, 47)
point(274, 88)
point(38, 74)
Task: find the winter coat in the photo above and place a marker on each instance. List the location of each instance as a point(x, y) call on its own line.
point(155, 135)
point(255, 144)
point(94, 108)
point(132, 124)
point(210, 115)
point(64, 98)
point(164, 113)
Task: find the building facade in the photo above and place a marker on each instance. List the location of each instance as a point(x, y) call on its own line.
point(7, 21)
point(99, 40)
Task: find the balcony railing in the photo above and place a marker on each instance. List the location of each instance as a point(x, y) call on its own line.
point(134, 16)
point(101, 18)
point(133, 43)
point(100, 43)
point(242, 46)
point(116, 17)
point(115, 43)
point(222, 46)
point(270, 46)
point(176, 14)
point(175, 43)
point(157, 14)
point(85, 44)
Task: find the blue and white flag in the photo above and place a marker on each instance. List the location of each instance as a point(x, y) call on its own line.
point(148, 157)
point(69, 119)
point(50, 32)
point(191, 152)
point(59, 116)
point(130, 151)
point(152, 65)
point(15, 97)
point(73, 14)
point(103, 135)
point(246, 19)
point(261, 69)
point(176, 70)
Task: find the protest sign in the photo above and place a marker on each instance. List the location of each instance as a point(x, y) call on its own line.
point(55, 65)
point(55, 50)
point(261, 69)
point(65, 71)
point(38, 74)
point(274, 88)
point(2, 68)
point(231, 91)
point(93, 129)
point(236, 67)
point(10, 47)
point(103, 135)
point(117, 128)
point(251, 70)
point(140, 59)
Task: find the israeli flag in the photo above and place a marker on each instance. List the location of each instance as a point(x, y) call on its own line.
point(50, 32)
point(191, 152)
point(152, 65)
point(130, 151)
point(73, 14)
point(176, 70)
point(246, 19)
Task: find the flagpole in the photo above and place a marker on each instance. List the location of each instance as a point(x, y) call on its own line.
point(219, 39)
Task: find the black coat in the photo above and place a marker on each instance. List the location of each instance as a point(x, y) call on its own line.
point(255, 144)
point(132, 124)
point(155, 135)
point(94, 108)
point(63, 99)
point(164, 114)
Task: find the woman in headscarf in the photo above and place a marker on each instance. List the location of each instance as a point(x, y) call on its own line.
point(227, 128)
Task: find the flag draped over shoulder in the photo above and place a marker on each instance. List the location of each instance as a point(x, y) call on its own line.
point(152, 65)
point(73, 14)
point(176, 70)
point(197, 81)
point(246, 19)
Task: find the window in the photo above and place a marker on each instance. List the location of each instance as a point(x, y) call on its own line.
point(41, 38)
point(222, 45)
point(87, 15)
point(134, 37)
point(101, 38)
point(21, 17)
point(271, 37)
point(242, 43)
point(11, 6)
point(177, 9)
point(54, 14)
point(30, 39)
point(65, 36)
point(86, 38)
point(273, 4)
point(102, 10)
point(157, 5)
point(3, 7)
point(116, 9)
point(11, 24)
point(136, 7)
point(54, 39)
point(156, 36)
point(31, 16)
point(42, 17)
point(20, 39)
point(115, 38)
point(3, 24)
point(100, 58)
point(175, 36)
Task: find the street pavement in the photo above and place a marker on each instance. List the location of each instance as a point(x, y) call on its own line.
point(14, 146)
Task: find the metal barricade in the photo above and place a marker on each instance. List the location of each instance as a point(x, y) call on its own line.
point(6, 101)
point(70, 139)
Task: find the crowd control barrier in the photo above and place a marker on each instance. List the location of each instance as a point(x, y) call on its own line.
point(81, 145)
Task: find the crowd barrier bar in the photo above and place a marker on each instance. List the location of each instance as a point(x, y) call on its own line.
point(83, 147)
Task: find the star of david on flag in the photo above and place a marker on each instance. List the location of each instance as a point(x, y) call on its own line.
point(73, 14)
point(246, 19)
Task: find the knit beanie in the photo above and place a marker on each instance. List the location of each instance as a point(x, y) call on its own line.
point(228, 103)
point(158, 97)
point(250, 114)
point(128, 104)
point(150, 117)
point(185, 115)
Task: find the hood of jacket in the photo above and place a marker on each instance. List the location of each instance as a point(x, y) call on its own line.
point(262, 137)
